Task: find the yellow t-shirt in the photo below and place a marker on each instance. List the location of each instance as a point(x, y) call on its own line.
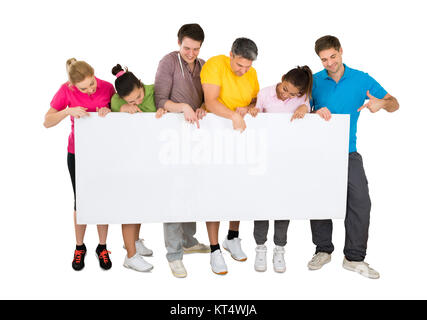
point(235, 91)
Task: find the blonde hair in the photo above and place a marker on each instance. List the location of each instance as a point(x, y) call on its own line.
point(78, 70)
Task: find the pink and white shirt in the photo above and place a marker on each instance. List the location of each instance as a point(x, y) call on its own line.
point(70, 96)
point(267, 101)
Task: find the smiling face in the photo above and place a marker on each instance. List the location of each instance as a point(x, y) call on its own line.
point(286, 90)
point(88, 85)
point(189, 49)
point(331, 60)
point(135, 97)
point(239, 65)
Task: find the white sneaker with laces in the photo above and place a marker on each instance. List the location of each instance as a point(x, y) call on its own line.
point(279, 259)
point(319, 260)
point(261, 258)
point(137, 263)
point(141, 248)
point(197, 248)
point(234, 247)
point(360, 267)
point(178, 269)
point(217, 263)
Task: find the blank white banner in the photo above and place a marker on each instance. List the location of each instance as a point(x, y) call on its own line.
point(135, 168)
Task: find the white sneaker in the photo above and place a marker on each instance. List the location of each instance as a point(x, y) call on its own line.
point(137, 263)
point(141, 248)
point(217, 262)
point(319, 260)
point(360, 267)
point(234, 247)
point(279, 259)
point(178, 269)
point(261, 258)
point(198, 248)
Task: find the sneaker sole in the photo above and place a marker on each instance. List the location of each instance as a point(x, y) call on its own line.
point(361, 273)
point(260, 270)
point(196, 251)
point(146, 254)
point(179, 275)
point(220, 273)
point(280, 270)
point(244, 259)
point(129, 267)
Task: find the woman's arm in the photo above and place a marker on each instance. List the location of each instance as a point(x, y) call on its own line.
point(300, 112)
point(53, 116)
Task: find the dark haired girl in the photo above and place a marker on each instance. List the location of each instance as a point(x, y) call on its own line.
point(133, 96)
point(291, 95)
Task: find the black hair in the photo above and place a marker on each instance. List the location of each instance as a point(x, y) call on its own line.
point(127, 82)
point(301, 78)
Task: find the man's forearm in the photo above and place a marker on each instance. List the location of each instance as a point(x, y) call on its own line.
point(219, 109)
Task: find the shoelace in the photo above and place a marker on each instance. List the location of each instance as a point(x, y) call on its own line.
point(78, 255)
point(104, 255)
point(317, 258)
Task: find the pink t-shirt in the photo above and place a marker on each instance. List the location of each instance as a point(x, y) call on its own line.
point(267, 101)
point(71, 96)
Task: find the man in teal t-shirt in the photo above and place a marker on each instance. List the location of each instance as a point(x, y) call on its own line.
point(339, 89)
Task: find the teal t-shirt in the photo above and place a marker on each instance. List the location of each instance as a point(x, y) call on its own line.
point(346, 96)
point(147, 104)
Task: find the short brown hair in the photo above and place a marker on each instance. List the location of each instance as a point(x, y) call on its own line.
point(192, 31)
point(327, 42)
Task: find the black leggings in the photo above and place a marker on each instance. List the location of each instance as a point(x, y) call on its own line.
point(71, 161)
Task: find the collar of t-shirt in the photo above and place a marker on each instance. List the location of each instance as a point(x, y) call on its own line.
point(346, 74)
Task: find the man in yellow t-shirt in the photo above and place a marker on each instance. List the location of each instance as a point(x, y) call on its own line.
point(230, 84)
point(230, 87)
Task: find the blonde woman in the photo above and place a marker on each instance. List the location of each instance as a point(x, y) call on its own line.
point(82, 93)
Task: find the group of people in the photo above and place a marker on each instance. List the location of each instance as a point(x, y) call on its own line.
point(227, 85)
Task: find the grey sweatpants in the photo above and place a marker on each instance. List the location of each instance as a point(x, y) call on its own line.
point(177, 236)
point(356, 219)
point(280, 232)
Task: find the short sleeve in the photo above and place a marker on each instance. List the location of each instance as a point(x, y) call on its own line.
point(255, 85)
point(312, 102)
point(260, 101)
point(374, 87)
point(110, 91)
point(116, 103)
point(211, 73)
point(60, 99)
point(163, 81)
point(304, 100)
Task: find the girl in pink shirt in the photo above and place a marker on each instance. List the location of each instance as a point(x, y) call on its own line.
point(83, 93)
point(291, 95)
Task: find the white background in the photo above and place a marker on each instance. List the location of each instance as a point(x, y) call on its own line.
point(384, 38)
